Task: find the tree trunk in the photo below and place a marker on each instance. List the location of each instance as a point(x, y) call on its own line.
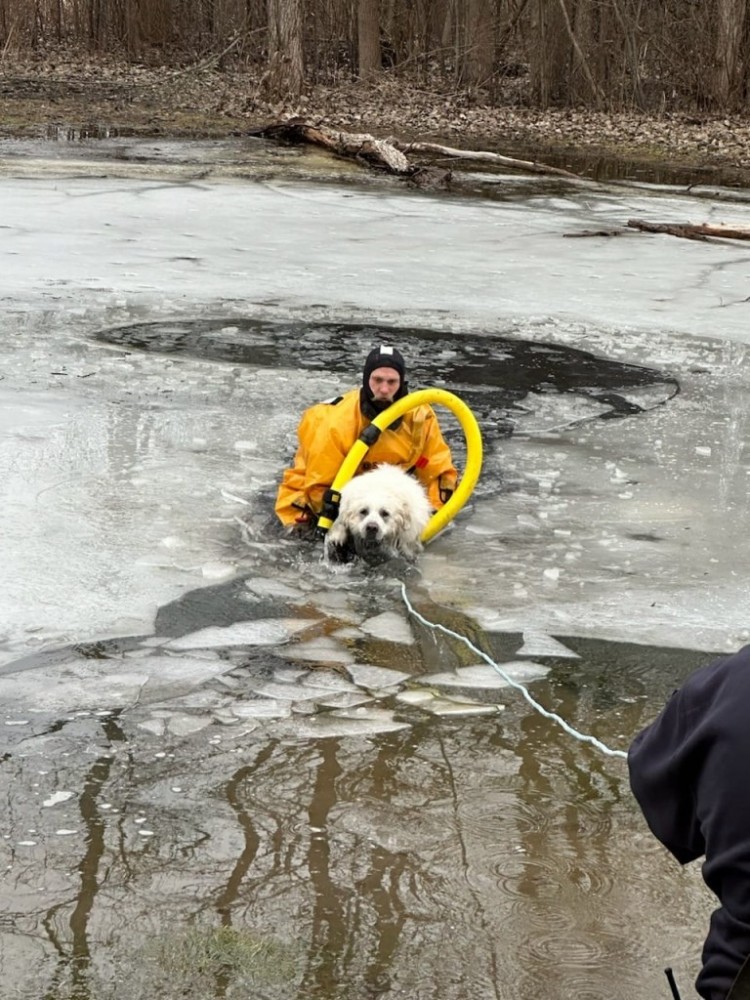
point(368, 39)
point(580, 60)
point(131, 29)
point(439, 31)
point(95, 24)
point(549, 54)
point(631, 74)
point(729, 64)
point(478, 56)
point(285, 73)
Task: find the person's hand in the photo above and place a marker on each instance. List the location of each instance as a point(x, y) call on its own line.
point(446, 494)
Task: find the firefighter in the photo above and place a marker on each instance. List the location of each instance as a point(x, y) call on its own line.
point(328, 430)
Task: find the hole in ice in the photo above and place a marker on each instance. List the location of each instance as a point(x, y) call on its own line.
point(492, 373)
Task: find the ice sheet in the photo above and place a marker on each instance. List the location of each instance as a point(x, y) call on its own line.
point(123, 474)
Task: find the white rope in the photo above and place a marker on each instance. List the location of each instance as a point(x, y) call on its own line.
point(519, 687)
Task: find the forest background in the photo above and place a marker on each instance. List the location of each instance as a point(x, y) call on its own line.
point(663, 79)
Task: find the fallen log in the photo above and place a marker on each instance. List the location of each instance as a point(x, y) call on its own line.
point(352, 145)
point(390, 154)
point(484, 156)
point(595, 232)
point(705, 232)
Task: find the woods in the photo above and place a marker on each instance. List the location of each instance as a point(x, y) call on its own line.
point(650, 55)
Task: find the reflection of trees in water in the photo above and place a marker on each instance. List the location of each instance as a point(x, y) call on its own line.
point(285, 854)
point(369, 849)
point(73, 948)
point(575, 897)
point(234, 787)
point(361, 852)
point(585, 880)
point(449, 859)
point(446, 860)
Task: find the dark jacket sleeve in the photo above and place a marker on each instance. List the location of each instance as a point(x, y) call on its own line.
point(690, 772)
point(661, 762)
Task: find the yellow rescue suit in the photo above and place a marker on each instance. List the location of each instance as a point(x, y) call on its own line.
point(326, 433)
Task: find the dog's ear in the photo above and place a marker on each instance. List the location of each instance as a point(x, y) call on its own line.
point(400, 519)
point(407, 538)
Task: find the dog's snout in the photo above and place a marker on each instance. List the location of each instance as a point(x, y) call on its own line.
point(371, 529)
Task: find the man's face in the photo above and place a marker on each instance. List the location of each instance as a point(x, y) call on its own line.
point(384, 384)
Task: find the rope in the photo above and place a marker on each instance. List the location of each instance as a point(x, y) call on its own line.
point(509, 680)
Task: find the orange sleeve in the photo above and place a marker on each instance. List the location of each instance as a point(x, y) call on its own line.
point(323, 446)
point(328, 444)
point(439, 472)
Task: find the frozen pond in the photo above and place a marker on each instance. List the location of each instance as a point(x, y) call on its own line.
point(229, 770)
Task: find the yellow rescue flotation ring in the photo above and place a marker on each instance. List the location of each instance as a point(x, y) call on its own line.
point(369, 436)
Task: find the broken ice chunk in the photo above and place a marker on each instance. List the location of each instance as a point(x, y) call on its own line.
point(265, 632)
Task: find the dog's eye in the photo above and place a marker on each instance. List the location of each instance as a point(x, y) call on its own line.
point(364, 512)
point(385, 514)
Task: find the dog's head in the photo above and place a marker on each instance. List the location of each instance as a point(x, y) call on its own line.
point(374, 532)
point(377, 527)
point(382, 516)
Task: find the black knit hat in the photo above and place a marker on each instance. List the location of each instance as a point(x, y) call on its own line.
point(383, 357)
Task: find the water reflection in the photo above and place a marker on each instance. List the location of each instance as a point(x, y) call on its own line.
point(596, 165)
point(82, 133)
point(263, 817)
point(489, 857)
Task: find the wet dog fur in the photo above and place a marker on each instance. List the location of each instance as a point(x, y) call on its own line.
point(382, 515)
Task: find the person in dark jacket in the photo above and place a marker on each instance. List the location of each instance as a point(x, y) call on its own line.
point(690, 772)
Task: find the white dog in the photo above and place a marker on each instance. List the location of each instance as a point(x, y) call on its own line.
point(382, 515)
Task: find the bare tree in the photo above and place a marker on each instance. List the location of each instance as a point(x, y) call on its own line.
point(478, 55)
point(674, 54)
point(586, 18)
point(285, 74)
point(548, 53)
point(368, 37)
point(628, 15)
point(730, 69)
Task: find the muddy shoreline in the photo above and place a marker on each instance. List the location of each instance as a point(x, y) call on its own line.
point(90, 98)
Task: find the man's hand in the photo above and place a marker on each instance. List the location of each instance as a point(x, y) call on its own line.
point(446, 486)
